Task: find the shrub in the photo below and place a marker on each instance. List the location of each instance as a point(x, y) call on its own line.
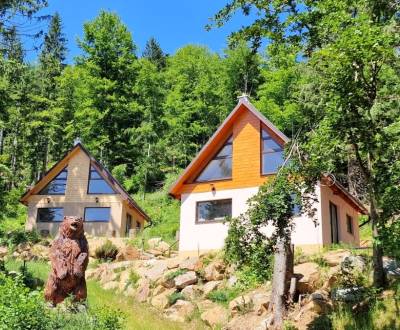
point(106, 252)
point(223, 296)
point(17, 236)
point(133, 278)
point(174, 297)
point(20, 308)
point(172, 275)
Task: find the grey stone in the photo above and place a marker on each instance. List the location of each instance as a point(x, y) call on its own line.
point(185, 279)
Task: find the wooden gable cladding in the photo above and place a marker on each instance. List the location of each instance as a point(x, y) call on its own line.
point(245, 127)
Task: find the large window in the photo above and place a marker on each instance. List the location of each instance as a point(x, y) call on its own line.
point(216, 210)
point(220, 167)
point(56, 186)
point(97, 185)
point(271, 154)
point(101, 214)
point(50, 214)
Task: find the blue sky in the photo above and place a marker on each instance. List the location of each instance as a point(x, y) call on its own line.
point(174, 23)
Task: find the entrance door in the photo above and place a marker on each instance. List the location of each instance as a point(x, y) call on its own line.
point(334, 223)
point(128, 224)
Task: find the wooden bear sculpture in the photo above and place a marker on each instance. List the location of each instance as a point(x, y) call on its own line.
point(69, 256)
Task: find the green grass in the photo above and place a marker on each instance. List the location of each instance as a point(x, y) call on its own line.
point(137, 316)
point(164, 211)
point(383, 315)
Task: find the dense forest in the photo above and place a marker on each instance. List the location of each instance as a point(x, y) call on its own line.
point(144, 114)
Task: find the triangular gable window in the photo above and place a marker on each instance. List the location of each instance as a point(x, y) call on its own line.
point(97, 185)
point(220, 167)
point(56, 186)
point(272, 156)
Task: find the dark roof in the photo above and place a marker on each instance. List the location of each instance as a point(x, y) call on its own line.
point(118, 188)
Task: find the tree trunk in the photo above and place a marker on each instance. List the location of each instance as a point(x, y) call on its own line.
point(283, 272)
point(377, 251)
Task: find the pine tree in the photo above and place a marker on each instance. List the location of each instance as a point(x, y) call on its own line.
point(154, 53)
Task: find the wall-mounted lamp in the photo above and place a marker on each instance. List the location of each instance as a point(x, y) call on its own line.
point(212, 188)
point(97, 199)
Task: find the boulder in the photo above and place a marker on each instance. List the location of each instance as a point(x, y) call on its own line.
point(308, 277)
point(108, 276)
point(334, 258)
point(185, 279)
point(121, 265)
point(332, 278)
point(129, 291)
point(173, 263)
point(143, 290)
point(128, 253)
point(91, 273)
point(231, 281)
point(180, 311)
point(216, 316)
point(124, 277)
point(154, 271)
point(240, 304)
point(158, 290)
point(40, 252)
point(161, 301)
point(191, 263)
point(167, 281)
point(354, 294)
point(260, 302)
point(163, 247)
point(153, 242)
point(210, 286)
point(391, 268)
point(352, 264)
point(215, 271)
point(111, 285)
point(191, 292)
point(155, 253)
point(3, 251)
point(319, 302)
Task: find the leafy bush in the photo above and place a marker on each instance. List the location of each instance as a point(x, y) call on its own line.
point(14, 237)
point(224, 296)
point(133, 278)
point(20, 308)
point(245, 246)
point(106, 252)
point(174, 297)
point(391, 238)
point(172, 275)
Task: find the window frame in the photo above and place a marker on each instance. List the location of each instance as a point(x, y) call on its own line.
point(215, 157)
point(351, 231)
point(65, 169)
point(96, 207)
point(46, 208)
point(197, 222)
point(101, 178)
point(262, 153)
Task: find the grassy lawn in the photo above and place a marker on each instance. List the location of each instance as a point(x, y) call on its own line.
point(137, 316)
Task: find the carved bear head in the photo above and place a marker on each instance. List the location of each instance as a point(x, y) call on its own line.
point(72, 227)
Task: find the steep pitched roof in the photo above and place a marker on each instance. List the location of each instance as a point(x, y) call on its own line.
point(117, 187)
point(243, 105)
point(339, 189)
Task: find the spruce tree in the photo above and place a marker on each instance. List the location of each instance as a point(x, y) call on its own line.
point(154, 53)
